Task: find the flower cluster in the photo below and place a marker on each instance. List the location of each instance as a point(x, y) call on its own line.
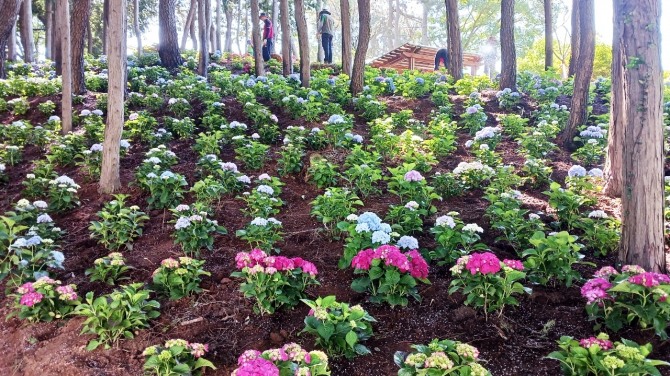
point(411, 261)
point(44, 300)
point(177, 356)
point(290, 358)
point(441, 357)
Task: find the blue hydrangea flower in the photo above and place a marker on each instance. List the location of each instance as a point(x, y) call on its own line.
point(385, 227)
point(380, 237)
point(362, 227)
point(408, 242)
point(371, 219)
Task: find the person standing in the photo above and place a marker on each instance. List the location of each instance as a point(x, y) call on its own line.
point(490, 54)
point(268, 36)
point(326, 27)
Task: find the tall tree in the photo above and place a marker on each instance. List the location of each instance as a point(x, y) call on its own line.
point(190, 17)
point(110, 180)
point(548, 36)
point(287, 57)
point(345, 16)
point(575, 36)
point(63, 19)
point(584, 70)
point(136, 26)
point(48, 27)
point(613, 160)
point(229, 26)
point(168, 46)
point(303, 41)
point(9, 9)
point(240, 12)
point(27, 40)
point(105, 23)
point(56, 49)
point(454, 40)
point(203, 30)
point(425, 10)
point(507, 46)
point(11, 44)
point(257, 39)
point(81, 10)
point(219, 20)
point(358, 71)
point(642, 238)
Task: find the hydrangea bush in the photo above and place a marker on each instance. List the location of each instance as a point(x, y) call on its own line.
point(290, 359)
point(440, 357)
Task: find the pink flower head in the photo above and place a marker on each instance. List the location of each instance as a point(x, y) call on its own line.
point(596, 289)
point(309, 268)
point(485, 263)
point(25, 288)
point(633, 269)
point(514, 264)
point(418, 266)
point(31, 298)
point(198, 349)
point(298, 261)
point(269, 261)
point(284, 263)
point(363, 259)
point(592, 341)
point(396, 258)
point(605, 272)
point(65, 289)
point(649, 279)
point(413, 175)
point(257, 367)
point(170, 263)
point(248, 356)
point(243, 260)
point(257, 255)
point(270, 270)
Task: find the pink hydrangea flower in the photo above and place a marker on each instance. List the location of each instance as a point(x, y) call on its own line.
point(484, 263)
point(396, 258)
point(257, 255)
point(257, 367)
point(596, 289)
point(31, 298)
point(170, 263)
point(592, 341)
point(363, 259)
point(309, 268)
point(248, 356)
point(25, 288)
point(418, 266)
point(198, 349)
point(633, 269)
point(413, 175)
point(514, 264)
point(284, 263)
point(605, 272)
point(243, 260)
point(649, 279)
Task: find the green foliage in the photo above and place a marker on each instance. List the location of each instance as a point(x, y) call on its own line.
point(179, 278)
point(551, 258)
point(176, 358)
point(440, 357)
point(109, 269)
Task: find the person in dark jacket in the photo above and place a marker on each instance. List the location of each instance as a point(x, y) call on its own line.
point(268, 36)
point(442, 56)
point(326, 27)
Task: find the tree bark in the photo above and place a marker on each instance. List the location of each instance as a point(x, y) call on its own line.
point(287, 56)
point(303, 42)
point(110, 181)
point(575, 37)
point(9, 10)
point(584, 70)
point(613, 161)
point(203, 31)
point(192, 32)
point(229, 28)
point(27, 39)
point(454, 40)
point(548, 36)
point(507, 46)
point(105, 22)
point(11, 45)
point(240, 12)
point(89, 36)
point(136, 26)
point(346, 36)
point(257, 39)
point(48, 28)
point(63, 17)
point(424, 22)
point(168, 47)
point(389, 35)
point(642, 240)
point(187, 25)
point(211, 29)
point(56, 49)
point(358, 71)
point(218, 42)
point(81, 10)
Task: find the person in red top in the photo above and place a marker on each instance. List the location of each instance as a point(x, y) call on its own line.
point(268, 36)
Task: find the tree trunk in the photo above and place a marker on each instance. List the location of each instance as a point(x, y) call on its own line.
point(257, 39)
point(424, 22)
point(320, 54)
point(276, 24)
point(613, 159)
point(218, 43)
point(574, 38)
point(454, 40)
point(81, 10)
point(358, 71)
point(27, 39)
point(48, 28)
point(193, 33)
point(287, 56)
point(229, 28)
point(303, 42)
point(56, 49)
point(507, 46)
point(63, 17)
point(187, 25)
point(548, 36)
point(389, 35)
point(168, 47)
point(642, 241)
point(239, 21)
point(110, 181)
point(211, 29)
point(11, 45)
point(346, 36)
point(584, 67)
point(89, 35)
point(105, 22)
point(203, 30)
point(9, 10)
point(136, 26)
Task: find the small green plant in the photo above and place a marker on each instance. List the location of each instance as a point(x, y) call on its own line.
point(176, 358)
point(109, 269)
point(454, 238)
point(179, 278)
point(196, 231)
point(334, 206)
point(551, 258)
point(44, 300)
point(119, 224)
point(406, 219)
point(252, 154)
point(339, 329)
point(261, 233)
point(47, 108)
point(567, 204)
point(63, 193)
point(322, 173)
point(165, 190)
point(117, 315)
point(440, 357)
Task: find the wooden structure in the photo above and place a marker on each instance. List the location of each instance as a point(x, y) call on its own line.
point(410, 56)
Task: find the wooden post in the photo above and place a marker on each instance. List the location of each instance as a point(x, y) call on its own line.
point(63, 20)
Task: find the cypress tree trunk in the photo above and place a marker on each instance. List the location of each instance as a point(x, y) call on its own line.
point(27, 39)
point(358, 71)
point(219, 20)
point(454, 40)
point(48, 28)
point(548, 36)
point(110, 181)
point(81, 10)
point(613, 160)
point(574, 38)
point(168, 47)
point(105, 22)
point(187, 25)
point(424, 22)
point(229, 28)
point(193, 33)
point(136, 26)
point(9, 10)
point(346, 36)
point(287, 57)
point(507, 47)
point(257, 39)
point(642, 241)
point(11, 45)
point(303, 42)
point(203, 30)
point(63, 17)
